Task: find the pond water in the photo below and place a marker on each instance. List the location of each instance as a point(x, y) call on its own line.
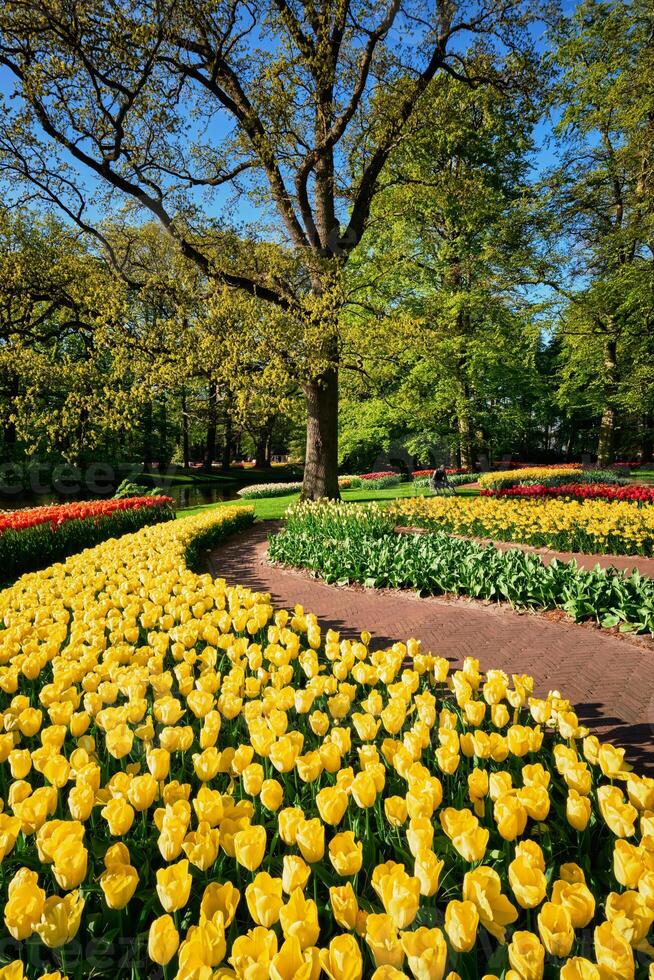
point(184, 495)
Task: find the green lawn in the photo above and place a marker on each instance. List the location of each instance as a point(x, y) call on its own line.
point(273, 508)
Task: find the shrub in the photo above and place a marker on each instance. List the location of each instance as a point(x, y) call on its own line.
point(129, 489)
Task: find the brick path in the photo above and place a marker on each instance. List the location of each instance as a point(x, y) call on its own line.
point(609, 678)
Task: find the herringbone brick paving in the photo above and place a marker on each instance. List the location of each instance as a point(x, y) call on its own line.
point(609, 678)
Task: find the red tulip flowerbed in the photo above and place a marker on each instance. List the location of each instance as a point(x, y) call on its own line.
point(36, 537)
point(450, 470)
point(379, 475)
point(579, 491)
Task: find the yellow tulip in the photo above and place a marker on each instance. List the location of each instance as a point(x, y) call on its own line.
point(629, 914)
point(119, 741)
point(142, 792)
point(163, 940)
point(579, 968)
point(527, 882)
point(332, 804)
point(462, 827)
point(118, 883)
point(290, 963)
point(483, 887)
point(174, 886)
point(510, 816)
point(220, 898)
point(13, 971)
point(426, 952)
point(346, 853)
point(295, 873)
point(395, 808)
point(250, 846)
point(344, 905)
point(577, 810)
point(400, 895)
point(25, 904)
point(271, 794)
point(461, 922)
point(119, 816)
point(627, 863)
point(555, 929)
point(299, 918)
point(383, 940)
point(619, 816)
point(310, 838)
point(527, 956)
point(264, 899)
point(577, 898)
point(613, 953)
point(364, 790)
point(343, 959)
point(427, 869)
point(201, 846)
point(288, 822)
point(60, 919)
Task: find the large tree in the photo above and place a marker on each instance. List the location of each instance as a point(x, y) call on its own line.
point(164, 103)
point(451, 242)
point(602, 200)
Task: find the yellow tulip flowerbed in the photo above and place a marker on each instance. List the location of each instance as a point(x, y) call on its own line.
point(196, 782)
point(529, 474)
point(591, 526)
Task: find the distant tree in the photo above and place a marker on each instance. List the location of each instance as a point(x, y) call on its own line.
point(602, 202)
point(451, 241)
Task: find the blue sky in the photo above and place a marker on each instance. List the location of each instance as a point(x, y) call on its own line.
point(245, 211)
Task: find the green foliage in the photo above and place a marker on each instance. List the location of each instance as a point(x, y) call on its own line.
point(346, 544)
point(129, 489)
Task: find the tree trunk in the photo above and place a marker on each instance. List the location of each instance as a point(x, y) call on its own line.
point(227, 445)
point(606, 436)
point(162, 455)
point(466, 440)
point(646, 448)
point(210, 444)
point(606, 444)
point(321, 463)
point(147, 435)
point(9, 425)
point(186, 450)
point(261, 452)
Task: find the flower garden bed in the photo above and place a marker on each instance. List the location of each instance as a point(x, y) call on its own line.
point(36, 537)
point(590, 526)
point(233, 793)
point(342, 543)
point(578, 491)
point(269, 490)
point(549, 476)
